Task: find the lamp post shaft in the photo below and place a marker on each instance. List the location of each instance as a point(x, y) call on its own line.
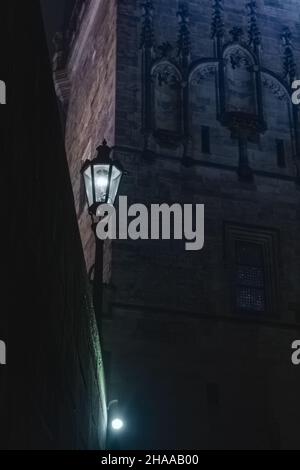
point(98, 280)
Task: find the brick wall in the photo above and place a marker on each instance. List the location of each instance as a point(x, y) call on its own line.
point(91, 110)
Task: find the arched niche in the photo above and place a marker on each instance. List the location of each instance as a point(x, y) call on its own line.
point(166, 98)
point(240, 80)
point(203, 111)
point(279, 120)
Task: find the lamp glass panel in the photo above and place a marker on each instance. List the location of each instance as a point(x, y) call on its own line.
point(88, 185)
point(114, 185)
point(101, 175)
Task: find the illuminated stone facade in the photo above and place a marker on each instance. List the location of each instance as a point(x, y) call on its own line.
point(195, 97)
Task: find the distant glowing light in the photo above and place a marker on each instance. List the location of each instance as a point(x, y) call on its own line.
point(117, 424)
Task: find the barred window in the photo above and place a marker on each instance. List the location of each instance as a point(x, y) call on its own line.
point(251, 255)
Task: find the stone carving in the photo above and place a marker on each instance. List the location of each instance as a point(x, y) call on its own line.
point(168, 81)
point(239, 81)
point(166, 74)
point(275, 87)
point(289, 65)
point(254, 35)
point(236, 34)
point(147, 33)
point(217, 25)
point(184, 40)
point(203, 72)
point(238, 59)
point(164, 50)
point(166, 97)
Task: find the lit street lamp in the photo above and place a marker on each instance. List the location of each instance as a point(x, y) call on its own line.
point(116, 425)
point(102, 177)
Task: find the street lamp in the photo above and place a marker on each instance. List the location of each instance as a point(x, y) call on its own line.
point(102, 177)
point(117, 424)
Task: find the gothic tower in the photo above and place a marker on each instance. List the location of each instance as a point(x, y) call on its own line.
point(195, 98)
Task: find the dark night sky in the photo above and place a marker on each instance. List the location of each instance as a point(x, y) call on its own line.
point(54, 12)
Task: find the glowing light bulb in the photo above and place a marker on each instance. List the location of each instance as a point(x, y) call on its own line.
point(117, 424)
point(102, 182)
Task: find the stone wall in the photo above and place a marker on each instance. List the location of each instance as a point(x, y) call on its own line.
point(271, 200)
point(210, 378)
point(189, 370)
point(91, 69)
point(52, 390)
point(272, 18)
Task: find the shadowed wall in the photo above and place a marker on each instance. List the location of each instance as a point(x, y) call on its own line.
point(52, 393)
